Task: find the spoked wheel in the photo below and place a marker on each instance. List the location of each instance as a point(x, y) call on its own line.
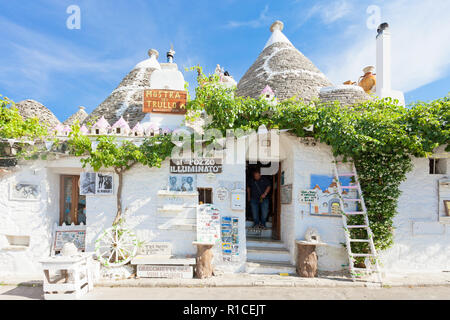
point(116, 246)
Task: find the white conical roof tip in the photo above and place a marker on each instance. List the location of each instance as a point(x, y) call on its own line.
point(277, 25)
point(277, 35)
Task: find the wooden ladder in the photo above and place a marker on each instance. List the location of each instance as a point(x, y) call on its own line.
point(370, 268)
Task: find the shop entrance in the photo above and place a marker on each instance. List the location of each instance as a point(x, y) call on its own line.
point(271, 201)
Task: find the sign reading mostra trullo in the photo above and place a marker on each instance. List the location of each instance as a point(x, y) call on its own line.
point(196, 165)
point(165, 101)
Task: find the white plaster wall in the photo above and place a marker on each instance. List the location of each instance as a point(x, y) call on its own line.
point(27, 218)
point(304, 161)
point(421, 242)
point(140, 203)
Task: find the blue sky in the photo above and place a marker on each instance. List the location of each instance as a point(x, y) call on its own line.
point(41, 59)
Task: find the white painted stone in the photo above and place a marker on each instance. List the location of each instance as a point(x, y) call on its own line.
point(428, 228)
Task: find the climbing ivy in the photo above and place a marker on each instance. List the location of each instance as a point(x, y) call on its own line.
point(18, 131)
point(379, 135)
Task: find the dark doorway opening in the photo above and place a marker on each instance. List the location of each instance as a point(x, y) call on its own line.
point(273, 218)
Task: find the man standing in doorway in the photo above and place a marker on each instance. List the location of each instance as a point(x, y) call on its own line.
point(257, 192)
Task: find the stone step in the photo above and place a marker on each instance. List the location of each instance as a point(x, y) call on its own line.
point(259, 233)
point(268, 254)
point(264, 242)
point(266, 267)
point(249, 224)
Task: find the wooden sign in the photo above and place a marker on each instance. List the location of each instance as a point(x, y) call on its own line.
point(208, 223)
point(198, 165)
point(164, 101)
point(156, 248)
point(161, 271)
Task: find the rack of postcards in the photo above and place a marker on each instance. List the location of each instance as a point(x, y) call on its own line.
point(230, 239)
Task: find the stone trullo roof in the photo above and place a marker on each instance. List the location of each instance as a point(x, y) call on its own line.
point(79, 116)
point(126, 100)
point(33, 109)
point(285, 69)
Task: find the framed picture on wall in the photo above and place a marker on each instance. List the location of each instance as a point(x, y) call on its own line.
point(24, 191)
point(182, 182)
point(105, 183)
point(87, 183)
point(286, 194)
point(101, 183)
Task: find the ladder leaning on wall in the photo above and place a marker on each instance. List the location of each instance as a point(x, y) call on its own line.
point(371, 257)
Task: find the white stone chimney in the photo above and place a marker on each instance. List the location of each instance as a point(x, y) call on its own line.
point(383, 59)
point(384, 86)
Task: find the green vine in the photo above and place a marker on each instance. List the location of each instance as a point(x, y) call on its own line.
point(379, 135)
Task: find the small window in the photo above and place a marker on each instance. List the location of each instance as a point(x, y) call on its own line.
point(438, 166)
point(97, 131)
point(205, 195)
point(118, 130)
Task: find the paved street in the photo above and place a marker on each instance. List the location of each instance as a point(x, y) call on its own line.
point(236, 293)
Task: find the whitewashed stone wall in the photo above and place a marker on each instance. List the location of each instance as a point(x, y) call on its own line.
point(140, 204)
point(421, 242)
point(304, 161)
point(33, 219)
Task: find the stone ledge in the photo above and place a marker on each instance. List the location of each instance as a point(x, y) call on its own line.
point(162, 260)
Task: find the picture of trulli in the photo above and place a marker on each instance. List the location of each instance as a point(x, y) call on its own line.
point(328, 195)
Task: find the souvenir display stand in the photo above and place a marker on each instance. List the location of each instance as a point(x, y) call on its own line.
point(67, 277)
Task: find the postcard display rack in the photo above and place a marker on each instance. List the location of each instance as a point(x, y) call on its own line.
point(230, 239)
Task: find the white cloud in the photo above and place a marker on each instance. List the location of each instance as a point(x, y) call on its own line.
point(420, 45)
point(262, 20)
point(32, 58)
point(329, 12)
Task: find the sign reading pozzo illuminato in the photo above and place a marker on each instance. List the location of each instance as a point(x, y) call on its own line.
point(197, 165)
point(165, 101)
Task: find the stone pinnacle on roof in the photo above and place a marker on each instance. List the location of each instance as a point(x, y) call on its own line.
point(126, 100)
point(79, 116)
point(284, 68)
point(33, 109)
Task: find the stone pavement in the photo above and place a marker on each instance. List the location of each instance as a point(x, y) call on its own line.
point(325, 280)
point(241, 293)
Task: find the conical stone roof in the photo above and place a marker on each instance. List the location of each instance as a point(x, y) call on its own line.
point(79, 116)
point(126, 100)
point(285, 69)
point(32, 109)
